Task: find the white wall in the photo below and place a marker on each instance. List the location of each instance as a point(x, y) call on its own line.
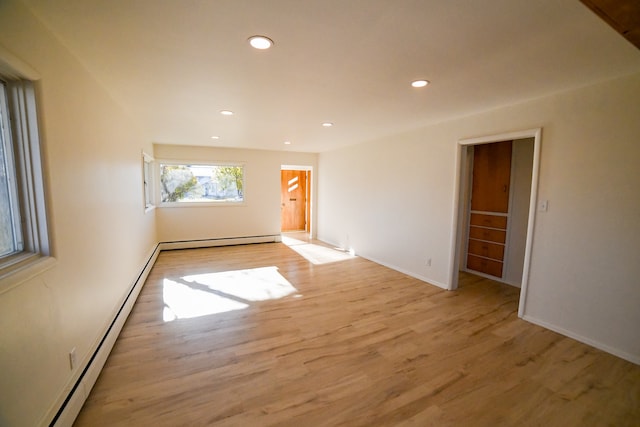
point(521, 170)
point(393, 198)
point(258, 216)
point(390, 200)
point(101, 236)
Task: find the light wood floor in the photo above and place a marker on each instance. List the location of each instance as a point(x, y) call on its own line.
point(355, 344)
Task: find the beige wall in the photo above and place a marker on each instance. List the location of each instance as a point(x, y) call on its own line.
point(258, 216)
point(521, 170)
point(398, 206)
point(391, 200)
point(101, 236)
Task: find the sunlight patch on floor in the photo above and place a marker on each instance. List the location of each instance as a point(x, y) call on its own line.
point(212, 293)
point(317, 254)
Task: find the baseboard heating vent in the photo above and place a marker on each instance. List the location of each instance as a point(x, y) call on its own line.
point(225, 241)
point(70, 408)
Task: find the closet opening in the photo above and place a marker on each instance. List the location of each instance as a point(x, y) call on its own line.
point(495, 208)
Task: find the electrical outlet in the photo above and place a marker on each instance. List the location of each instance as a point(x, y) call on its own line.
point(429, 262)
point(73, 361)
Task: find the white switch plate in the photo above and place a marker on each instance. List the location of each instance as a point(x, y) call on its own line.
point(72, 358)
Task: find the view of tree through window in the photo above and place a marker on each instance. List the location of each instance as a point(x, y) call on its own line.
point(9, 215)
point(7, 238)
point(201, 183)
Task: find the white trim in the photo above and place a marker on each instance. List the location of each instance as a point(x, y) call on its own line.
point(147, 157)
point(29, 181)
point(33, 266)
point(394, 267)
point(533, 201)
point(536, 134)
point(407, 272)
point(633, 358)
point(69, 404)
point(296, 168)
point(196, 204)
point(225, 241)
point(148, 182)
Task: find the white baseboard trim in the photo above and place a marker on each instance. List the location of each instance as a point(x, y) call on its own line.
point(225, 241)
point(393, 267)
point(67, 408)
point(633, 358)
point(407, 272)
point(70, 407)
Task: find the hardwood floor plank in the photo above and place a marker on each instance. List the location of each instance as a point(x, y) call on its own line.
point(348, 343)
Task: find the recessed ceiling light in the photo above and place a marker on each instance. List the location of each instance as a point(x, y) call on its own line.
point(287, 143)
point(260, 42)
point(420, 83)
point(226, 113)
point(327, 124)
point(215, 137)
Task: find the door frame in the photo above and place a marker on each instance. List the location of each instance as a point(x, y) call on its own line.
point(309, 203)
point(461, 181)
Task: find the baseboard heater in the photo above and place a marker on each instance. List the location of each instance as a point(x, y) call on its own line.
point(72, 405)
point(224, 241)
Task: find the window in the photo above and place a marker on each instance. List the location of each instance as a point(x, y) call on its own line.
point(147, 181)
point(10, 231)
point(202, 183)
point(23, 225)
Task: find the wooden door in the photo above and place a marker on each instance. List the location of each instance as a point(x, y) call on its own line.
point(293, 197)
point(491, 177)
point(488, 221)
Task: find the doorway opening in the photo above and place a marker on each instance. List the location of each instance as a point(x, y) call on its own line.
point(495, 208)
point(295, 199)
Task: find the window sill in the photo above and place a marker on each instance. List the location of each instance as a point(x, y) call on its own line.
point(199, 204)
point(28, 268)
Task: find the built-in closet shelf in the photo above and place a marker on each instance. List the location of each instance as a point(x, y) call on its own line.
point(489, 213)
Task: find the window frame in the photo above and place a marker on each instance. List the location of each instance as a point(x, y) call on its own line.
point(163, 204)
point(148, 182)
point(30, 195)
point(10, 167)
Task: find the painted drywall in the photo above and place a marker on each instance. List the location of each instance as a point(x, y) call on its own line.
point(392, 201)
point(521, 169)
point(259, 215)
point(100, 233)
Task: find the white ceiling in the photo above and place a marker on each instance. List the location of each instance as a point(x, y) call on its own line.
point(173, 65)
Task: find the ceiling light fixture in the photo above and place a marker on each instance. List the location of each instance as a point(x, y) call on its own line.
point(287, 143)
point(327, 124)
point(260, 42)
point(226, 113)
point(419, 83)
point(215, 137)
